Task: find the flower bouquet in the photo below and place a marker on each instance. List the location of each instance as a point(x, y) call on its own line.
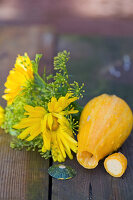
point(42, 112)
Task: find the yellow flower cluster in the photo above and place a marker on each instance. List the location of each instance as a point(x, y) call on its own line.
point(1, 115)
point(18, 77)
point(52, 125)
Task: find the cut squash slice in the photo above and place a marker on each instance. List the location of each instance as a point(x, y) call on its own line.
point(116, 164)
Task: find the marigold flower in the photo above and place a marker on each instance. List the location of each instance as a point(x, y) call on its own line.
point(18, 77)
point(52, 125)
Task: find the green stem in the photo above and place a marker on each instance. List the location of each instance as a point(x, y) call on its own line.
point(39, 80)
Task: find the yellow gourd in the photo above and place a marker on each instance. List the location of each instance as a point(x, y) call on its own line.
point(105, 123)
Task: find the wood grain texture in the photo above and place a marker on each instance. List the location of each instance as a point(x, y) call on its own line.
point(97, 184)
point(23, 175)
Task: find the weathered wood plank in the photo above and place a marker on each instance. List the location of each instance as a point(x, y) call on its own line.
point(96, 184)
point(23, 175)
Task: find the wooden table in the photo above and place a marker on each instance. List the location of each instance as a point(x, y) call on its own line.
point(24, 176)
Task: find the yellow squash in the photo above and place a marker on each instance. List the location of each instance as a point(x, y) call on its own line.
point(105, 123)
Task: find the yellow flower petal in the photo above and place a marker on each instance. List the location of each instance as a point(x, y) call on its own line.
point(56, 152)
point(35, 112)
point(61, 147)
point(63, 102)
point(51, 104)
point(50, 121)
point(2, 115)
point(26, 122)
point(25, 133)
point(69, 138)
point(29, 108)
point(72, 111)
point(34, 133)
point(44, 123)
point(67, 148)
point(47, 141)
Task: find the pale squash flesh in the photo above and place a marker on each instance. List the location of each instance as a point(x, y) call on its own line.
point(116, 164)
point(105, 123)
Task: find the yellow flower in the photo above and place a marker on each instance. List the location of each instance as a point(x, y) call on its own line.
point(18, 77)
point(52, 125)
point(1, 115)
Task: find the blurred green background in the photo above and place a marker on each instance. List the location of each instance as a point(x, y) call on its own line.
point(104, 64)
